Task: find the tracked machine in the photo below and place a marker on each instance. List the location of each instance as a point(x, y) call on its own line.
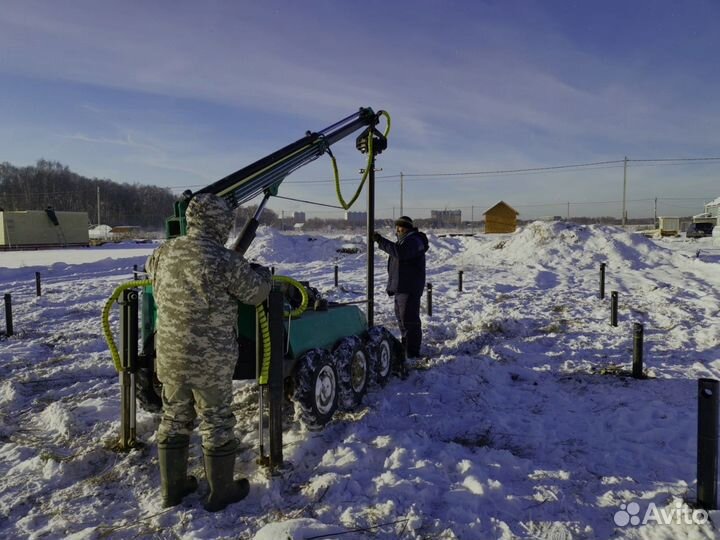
point(324, 355)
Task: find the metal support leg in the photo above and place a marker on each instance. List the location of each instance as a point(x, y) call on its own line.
point(8, 315)
point(276, 378)
point(129, 361)
point(707, 443)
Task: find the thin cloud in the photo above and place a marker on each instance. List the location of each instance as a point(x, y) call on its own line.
point(128, 141)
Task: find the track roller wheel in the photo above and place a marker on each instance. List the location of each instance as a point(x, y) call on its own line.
point(316, 388)
point(386, 353)
point(352, 362)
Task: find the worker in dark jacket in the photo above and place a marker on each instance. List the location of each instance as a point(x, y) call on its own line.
point(406, 279)
point(197, 284)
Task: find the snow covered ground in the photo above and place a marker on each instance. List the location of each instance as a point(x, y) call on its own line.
point(522, 422)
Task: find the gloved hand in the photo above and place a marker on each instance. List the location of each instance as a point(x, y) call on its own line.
point(377, 236)
point(262, 270)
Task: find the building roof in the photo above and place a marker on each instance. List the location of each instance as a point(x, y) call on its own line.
point(501, 203)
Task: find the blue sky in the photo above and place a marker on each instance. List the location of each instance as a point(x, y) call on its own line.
point(182, 93)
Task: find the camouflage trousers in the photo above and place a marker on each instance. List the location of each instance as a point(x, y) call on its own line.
point(212, 405)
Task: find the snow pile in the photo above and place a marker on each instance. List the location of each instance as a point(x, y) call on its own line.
point(274, 247)
point(572, 245)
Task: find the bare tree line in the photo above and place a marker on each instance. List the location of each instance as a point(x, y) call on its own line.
point(49, 183)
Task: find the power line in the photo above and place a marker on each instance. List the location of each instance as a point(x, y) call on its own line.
point(678, 159)
point(309, 202)
point(533, 169)
point(609, 164)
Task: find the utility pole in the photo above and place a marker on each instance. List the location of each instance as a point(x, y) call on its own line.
point(655, 215)
point(472, 219)
point(624, 212)
point(402, 213)
point(371, 246)
point(98, 205)
point(568, 211)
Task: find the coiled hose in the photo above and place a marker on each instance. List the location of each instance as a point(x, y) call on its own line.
point(260, 310)
point(336, 172)
point(106, 318)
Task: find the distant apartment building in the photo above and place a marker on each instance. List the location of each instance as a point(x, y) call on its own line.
point(446, 218)
point(356, 218)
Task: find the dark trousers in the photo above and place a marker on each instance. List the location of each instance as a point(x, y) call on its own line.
point(407, 311)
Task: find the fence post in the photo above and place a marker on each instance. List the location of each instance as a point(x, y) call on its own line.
point(614, 308)
point(8, 315)
point(460, 277)
point(637, 369)
point(429, 299)
point(37, 284)
point(602, 281)
point(707, 443)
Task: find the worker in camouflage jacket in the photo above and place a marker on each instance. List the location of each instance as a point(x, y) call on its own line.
point(406, 279)
point(197, 284)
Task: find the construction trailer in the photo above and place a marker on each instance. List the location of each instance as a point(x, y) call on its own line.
point(669, 226)
point(23, 229)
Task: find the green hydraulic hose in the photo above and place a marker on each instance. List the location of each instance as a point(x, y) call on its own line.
point(347, 205)
point(265, 327)
point(262, 319)
point(106, 318)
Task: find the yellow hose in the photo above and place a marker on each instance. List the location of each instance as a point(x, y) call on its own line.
point(106, 318)
point(303, 293)
point(336, 173)
point(265, 334)
point(265, 327)
point(262, 320)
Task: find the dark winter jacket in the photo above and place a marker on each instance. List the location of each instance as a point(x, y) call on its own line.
point(406, 265)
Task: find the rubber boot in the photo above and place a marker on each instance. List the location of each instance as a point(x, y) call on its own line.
point(219, 468)
point(174, 480)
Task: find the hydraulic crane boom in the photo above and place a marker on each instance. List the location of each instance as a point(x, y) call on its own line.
point(266, 174)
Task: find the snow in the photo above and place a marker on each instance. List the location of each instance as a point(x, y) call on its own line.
point(522, 421)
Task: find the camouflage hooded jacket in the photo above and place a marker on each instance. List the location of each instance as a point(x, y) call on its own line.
point(197, 284)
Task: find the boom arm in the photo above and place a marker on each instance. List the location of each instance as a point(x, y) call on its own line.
point(266, 174)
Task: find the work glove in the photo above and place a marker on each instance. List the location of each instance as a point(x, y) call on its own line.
point(262, 271)
point(376, 236)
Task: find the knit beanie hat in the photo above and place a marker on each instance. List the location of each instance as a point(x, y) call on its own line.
point(404, 221)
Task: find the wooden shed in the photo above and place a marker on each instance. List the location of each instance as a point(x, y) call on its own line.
point(42, 228)
point(501, 218)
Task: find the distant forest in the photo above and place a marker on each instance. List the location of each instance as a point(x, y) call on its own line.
point(50, 183)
